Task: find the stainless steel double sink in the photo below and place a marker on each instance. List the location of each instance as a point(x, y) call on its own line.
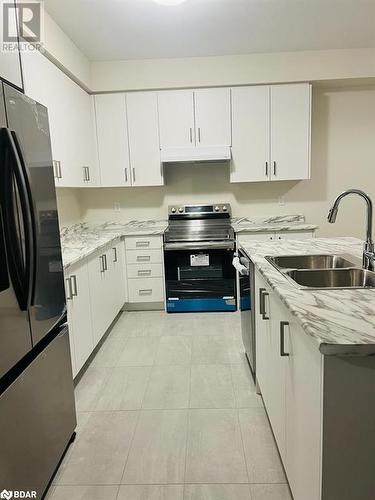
point(323, 271)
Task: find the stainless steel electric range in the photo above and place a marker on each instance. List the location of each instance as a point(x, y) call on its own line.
point(198, 251)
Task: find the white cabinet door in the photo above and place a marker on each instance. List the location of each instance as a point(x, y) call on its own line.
point(79, 307)
point(10, 62)
point(263, 337)
point(117, 267)
point(250, 134)
point(176, 118)
point(303, 415)
point(276, 404)
point(142, 109)
point(290, 131)
point(70, 119)
point(213, 117)
point(112, 134)
point(98, 295)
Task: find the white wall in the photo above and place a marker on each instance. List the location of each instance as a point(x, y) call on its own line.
point(61, 48)
point(233, 70)
point(343, 148)
point(68, 206)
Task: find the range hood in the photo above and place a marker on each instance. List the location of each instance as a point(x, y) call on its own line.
point(196, 154)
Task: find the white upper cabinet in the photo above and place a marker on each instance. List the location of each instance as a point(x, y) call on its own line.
point(70, 119)
point(271, 127)
point(143, 127)
point(10, 63)
point(290, 131)
point(112, 134)
point(190, 118)
point(176, 118)
point(212, 117)
point(250, 134)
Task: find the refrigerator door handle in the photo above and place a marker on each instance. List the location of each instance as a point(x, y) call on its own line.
point(22, 274)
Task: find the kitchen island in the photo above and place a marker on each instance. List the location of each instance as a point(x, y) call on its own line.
point(316, 372)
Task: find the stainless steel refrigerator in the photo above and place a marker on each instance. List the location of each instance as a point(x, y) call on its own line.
point(37, 409)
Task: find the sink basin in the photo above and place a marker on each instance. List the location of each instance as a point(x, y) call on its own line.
point(310, 262)
point(333, 278)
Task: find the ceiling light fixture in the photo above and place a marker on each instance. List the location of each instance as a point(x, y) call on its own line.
point(169, 2)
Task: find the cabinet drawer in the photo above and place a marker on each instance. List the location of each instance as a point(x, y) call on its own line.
point(152, 256)
point(145, 271)
point(146, 290)
point(142, 242)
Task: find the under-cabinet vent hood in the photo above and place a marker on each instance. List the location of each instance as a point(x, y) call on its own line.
point(195, 154)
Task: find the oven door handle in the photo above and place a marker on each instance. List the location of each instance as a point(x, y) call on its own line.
point(200, 245)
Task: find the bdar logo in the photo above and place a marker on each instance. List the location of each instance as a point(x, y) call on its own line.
point(6, 494)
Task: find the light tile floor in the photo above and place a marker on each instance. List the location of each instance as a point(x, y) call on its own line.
point(167, 410)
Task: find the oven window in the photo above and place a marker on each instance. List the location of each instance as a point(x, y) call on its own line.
point(184, 279)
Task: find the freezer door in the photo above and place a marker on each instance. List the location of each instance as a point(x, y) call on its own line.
point(28, 122)
point(37, 419)
point(15, 335)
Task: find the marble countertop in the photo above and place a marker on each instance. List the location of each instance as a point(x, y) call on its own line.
point(81, 240)
point(271, 223)
point(342, 322)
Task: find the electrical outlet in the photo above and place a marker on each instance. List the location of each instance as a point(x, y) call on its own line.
point(117, 207)
point(281, 201)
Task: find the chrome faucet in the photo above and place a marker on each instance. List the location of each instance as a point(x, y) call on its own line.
point(368, 248)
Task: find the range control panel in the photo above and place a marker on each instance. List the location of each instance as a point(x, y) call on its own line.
point(201, 210)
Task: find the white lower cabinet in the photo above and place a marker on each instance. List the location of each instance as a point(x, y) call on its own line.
point(144, 269)
point(79, 314)
point(146, 290)
point(107, 287)
point(289, 374)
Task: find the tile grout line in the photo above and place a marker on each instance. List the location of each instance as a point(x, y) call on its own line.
point(243, 446)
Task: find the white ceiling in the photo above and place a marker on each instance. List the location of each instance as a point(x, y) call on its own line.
point(142, 29)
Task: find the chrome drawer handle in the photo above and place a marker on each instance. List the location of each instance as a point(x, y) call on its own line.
point(143, 258)
point(142, 244)
point(145, 292)
point(144, 272)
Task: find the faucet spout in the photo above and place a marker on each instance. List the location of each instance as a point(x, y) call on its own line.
point(368, 250)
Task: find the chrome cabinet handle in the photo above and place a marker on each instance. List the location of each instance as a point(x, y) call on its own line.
point(262, 303)
point(191, 135)
point(59, 169)
point(101, 263)
point(55, 172)
point(88, 174)
point(84, 174)
point(73, 279)
point(283, 324)
point(105, 262)
point(142, 244)
point(126, 175)
point(67, 280)
point(143, 258)
point(145, 292)
point(199, 134)
point(266, 168)
point(144, 272)
point(114, 254)
point(133, 174)
point(274, 168)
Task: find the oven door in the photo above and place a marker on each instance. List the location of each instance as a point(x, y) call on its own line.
point(199, 279)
